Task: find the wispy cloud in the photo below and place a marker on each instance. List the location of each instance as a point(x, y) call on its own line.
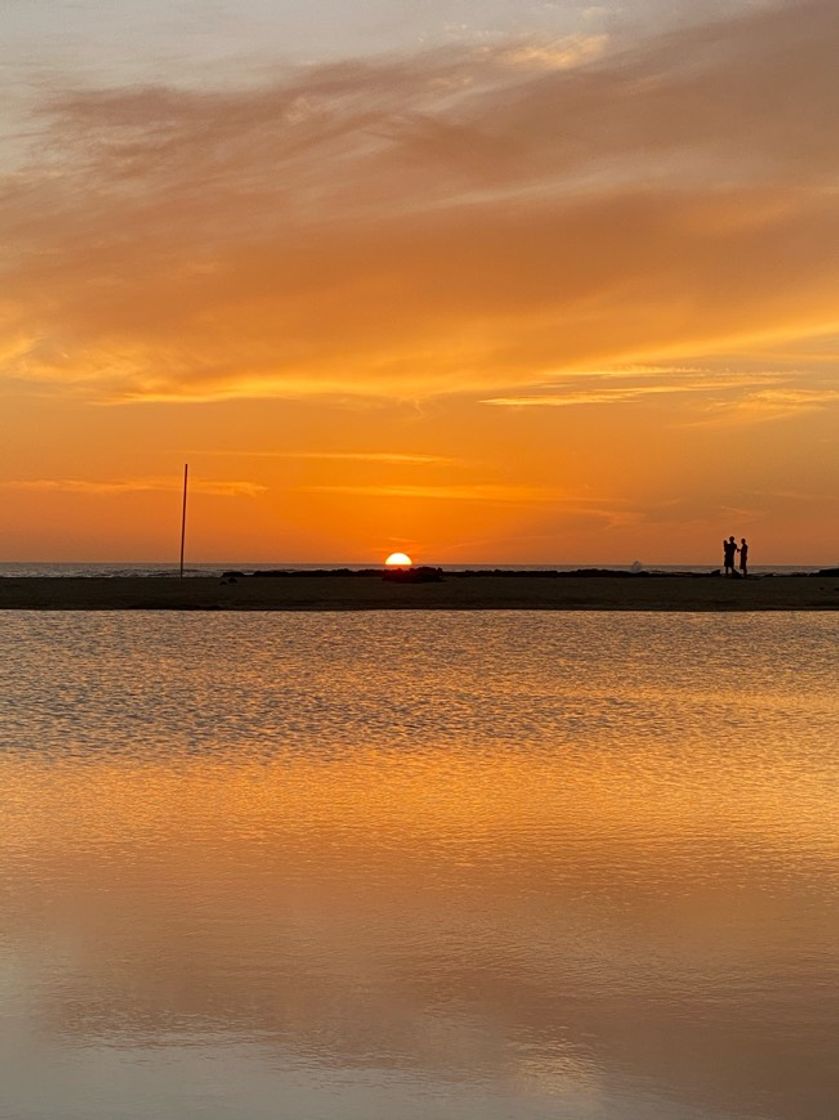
point(765, 406)
point(621, 386)
point(593, 395)
point(395, 458)
point(460, 220)
point(562, 54)
point(220, 488)
point(489, 492)
point(796, 497)
point(474, 492)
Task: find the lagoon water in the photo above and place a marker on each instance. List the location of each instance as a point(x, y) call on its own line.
point(443, 866)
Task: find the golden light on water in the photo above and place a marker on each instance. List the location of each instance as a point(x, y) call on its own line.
point(399, 560)
point(429, 851)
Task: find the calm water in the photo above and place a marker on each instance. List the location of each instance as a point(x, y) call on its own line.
point(450, 867)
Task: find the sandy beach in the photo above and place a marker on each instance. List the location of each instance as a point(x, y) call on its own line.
point(457, 591)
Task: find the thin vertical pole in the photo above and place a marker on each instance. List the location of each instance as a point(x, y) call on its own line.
point(183, 518)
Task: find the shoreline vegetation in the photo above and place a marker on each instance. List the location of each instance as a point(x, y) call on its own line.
point(426, 589)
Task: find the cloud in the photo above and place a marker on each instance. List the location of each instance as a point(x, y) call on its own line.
point(97, 487)
point(767, 405)
point(490, 492)
point(397, 458)
point(593, 394)
point(456, 221)
point(468, 492)
point(565, 54)
point(726, 397)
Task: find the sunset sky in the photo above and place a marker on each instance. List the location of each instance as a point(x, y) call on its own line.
point(484, 280)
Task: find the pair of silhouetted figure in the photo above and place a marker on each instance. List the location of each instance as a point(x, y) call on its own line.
point(730, 548)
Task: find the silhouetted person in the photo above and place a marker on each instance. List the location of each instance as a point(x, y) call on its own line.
point(744, 557)
point(729, 550)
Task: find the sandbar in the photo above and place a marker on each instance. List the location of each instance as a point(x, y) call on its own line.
point(358, 591)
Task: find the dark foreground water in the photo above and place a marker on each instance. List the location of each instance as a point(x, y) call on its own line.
point(450, 867)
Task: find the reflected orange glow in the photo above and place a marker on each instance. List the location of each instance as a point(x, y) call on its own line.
point(392, 803)
point(266, 891)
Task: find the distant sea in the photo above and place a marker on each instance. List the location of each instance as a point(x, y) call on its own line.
point(37, 568)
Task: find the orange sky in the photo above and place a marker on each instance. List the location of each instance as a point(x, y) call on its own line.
point(524, 293)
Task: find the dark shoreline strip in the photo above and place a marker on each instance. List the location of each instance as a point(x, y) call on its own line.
point(501, 590)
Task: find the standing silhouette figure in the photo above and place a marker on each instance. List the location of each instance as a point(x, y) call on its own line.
point(729, 549)
point(744, 556)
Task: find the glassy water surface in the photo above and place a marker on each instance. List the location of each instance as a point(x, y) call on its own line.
point(387, 866)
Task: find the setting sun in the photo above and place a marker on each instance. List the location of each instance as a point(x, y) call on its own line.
point(546, 289)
